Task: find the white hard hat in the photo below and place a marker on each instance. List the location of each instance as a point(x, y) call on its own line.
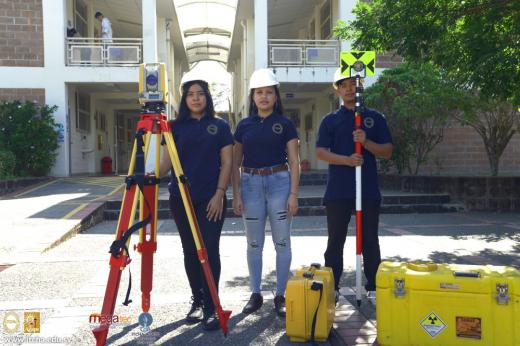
point(338, 77)
point(262, 78)
point(190, 76)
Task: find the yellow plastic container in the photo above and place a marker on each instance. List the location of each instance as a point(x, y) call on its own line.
point(301, 300)
point(325, 274)
point(447, 304)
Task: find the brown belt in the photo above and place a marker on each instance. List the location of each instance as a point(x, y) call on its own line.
point(265, 171)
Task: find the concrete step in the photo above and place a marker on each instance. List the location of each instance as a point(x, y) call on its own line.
point(313, 201)
point(312, 206)
point(306, 178)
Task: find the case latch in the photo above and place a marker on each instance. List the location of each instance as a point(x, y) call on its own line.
point(399, 290)
point(502, 294)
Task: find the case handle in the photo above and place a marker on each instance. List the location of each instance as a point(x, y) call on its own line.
point(466, 274)
point(422, 267)
point(308, 275)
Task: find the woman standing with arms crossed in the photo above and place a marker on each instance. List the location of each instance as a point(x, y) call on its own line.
point(204, 144)
point(265, 142)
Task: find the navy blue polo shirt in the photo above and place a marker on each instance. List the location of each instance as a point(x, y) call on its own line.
point(198, 144)
point(336, 134)
point(264, 140)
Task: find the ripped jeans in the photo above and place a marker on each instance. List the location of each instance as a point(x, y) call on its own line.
point(262, 197)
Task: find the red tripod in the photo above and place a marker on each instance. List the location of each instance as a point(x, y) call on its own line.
point(151, 128)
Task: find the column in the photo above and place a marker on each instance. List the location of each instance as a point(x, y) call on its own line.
point(149, 31)
point(345, 14)
point(261, 23)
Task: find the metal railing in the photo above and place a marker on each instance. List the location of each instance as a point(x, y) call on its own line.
point(307, 53)
point(104, 52)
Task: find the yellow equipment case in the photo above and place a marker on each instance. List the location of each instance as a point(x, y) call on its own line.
point(422, 304)
point(311, 288)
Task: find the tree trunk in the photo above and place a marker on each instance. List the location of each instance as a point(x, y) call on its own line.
point(494, 161)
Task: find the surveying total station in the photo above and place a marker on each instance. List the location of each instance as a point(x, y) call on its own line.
point(358, 64)
point(142, 188)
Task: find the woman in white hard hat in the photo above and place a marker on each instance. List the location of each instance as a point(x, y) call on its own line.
point(204, 143)
point(266, 146)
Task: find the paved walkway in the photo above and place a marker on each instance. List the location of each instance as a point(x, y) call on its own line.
point(38, 219)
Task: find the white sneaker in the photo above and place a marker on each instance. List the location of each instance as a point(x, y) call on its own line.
point(371, 297)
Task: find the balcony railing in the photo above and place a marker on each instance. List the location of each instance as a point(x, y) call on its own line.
point(298, 53)
point(102, 52)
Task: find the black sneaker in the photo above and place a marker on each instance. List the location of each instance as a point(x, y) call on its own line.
point(195, 314)
point(336, 297)
point(279, 305)
point(254, 303)
point(210, 321)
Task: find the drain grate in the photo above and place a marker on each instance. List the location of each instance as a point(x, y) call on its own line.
point(4, 267)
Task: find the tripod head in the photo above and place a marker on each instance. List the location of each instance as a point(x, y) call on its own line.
point(153, 87)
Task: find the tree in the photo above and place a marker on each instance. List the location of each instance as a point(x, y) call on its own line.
point(417, 101)
point(476, 41)
point(495, 121)
point(31, 134)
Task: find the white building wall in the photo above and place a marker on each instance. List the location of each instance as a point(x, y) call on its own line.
point(260, 31)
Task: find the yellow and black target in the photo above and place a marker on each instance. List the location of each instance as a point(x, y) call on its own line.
point(358, 63)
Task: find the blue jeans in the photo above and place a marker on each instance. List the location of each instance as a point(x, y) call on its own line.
point(262, 197)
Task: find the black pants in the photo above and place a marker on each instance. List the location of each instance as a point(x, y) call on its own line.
point(210, 231)
point(338, 218)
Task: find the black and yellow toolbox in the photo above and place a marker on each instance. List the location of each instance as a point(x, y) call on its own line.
point(423, 304)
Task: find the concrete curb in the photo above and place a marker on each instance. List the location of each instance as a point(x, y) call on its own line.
point(15, 187)
point(88, 217)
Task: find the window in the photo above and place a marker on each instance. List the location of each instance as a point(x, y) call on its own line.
point(312, 30)
point(100, 120)
point(83, 112)
point(80, 17)
point(103, 122)
point(325, 20)
point(130, 134)
point(294, 115)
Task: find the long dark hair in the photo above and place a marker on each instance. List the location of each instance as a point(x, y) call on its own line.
point(278, 107)
point(184, 111)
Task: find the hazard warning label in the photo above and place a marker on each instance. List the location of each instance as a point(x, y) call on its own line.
point(432, 324)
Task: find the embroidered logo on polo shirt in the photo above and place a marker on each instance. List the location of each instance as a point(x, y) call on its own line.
point(212, 129)
point(277, 128)
point(368, 122)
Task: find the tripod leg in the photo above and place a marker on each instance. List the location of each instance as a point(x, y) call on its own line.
point(223, 316)
point(148, 234)
point(117, 265)
point(126, 218)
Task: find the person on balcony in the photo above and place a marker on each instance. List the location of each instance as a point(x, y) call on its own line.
point(266, 146)
point(335, 145)
point(204, 143)
point(71, 31)
point(106, 27)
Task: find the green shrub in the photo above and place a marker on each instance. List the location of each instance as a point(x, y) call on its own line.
point(7, 163)
point(30, 133)
point(417, 101)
